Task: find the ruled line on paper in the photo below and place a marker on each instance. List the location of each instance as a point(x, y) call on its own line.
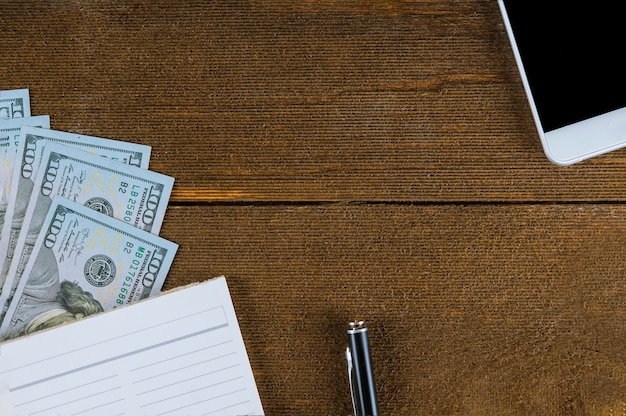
point(119, 338)
point(188, 379)
point(194, 364)
point(89, 410)
point(181, 355)
point(194, 391)
point(70, 388)
point(204, 401)
point(227, 407)
point(119, 356)
point(111, 401)
point(192, 377)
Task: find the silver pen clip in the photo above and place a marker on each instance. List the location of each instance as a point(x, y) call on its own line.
point(350, 370)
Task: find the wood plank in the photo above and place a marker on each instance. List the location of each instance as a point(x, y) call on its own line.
point(481, 309)
point(320, 101)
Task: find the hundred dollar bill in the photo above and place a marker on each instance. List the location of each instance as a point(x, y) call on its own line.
point(85, 262)
point(14, 103)
point(31, 144)
point(9, 135)
point(134, 195)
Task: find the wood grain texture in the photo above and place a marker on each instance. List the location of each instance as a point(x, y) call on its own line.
point(339, 160)
point(474, 310)
point(268, 101)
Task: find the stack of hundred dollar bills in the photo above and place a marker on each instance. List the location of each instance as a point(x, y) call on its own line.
point(79, 219)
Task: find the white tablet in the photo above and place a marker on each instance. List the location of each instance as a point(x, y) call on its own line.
point(570, 63)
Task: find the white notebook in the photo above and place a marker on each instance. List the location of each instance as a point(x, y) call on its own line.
point(180, 354)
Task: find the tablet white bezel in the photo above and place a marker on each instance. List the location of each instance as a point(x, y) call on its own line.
point(578, 141)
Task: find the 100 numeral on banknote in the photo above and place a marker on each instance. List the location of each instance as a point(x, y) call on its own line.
point(83, 263)
point(135, 195)
point(32, 144)
point(14, 103)
point(9, 138)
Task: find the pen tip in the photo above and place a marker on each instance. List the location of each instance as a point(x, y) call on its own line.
point(356, 325)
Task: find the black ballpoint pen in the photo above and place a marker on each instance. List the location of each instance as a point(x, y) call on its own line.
point(360, 373)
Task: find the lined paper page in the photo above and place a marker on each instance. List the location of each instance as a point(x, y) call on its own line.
point(177, 354)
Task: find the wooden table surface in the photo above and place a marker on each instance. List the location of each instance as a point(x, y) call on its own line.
point(342, 160)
